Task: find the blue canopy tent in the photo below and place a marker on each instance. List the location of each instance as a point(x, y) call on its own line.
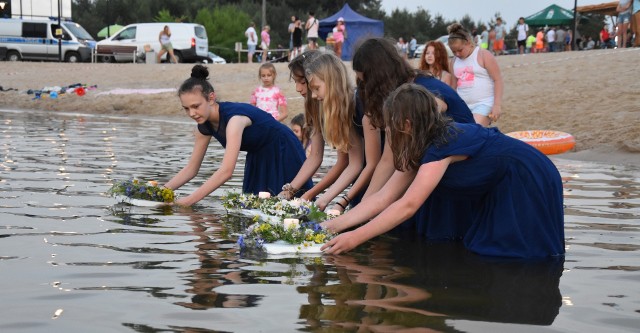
point(358, 27)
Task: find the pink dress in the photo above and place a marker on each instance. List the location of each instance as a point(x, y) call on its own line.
point(266, 39)
point(268, 99)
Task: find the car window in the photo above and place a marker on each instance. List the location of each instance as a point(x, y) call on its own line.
point(35, 30)
point(77, 30)
point(65, 35)
point(128, 33)
point(201, 32)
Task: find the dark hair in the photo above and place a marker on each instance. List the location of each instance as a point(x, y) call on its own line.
point(383, 70)
point(199, 80)
point(428, 126)
point(298, 120)
point(311, 106)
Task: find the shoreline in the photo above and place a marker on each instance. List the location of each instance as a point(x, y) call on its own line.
point(592, 95)
point(602, 156)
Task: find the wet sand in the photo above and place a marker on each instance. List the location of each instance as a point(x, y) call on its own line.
point(591, 94)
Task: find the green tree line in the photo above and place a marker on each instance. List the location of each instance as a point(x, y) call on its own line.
point(226, 21)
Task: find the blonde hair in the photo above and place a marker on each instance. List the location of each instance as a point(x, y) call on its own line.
point(268, 66)
point(338, 105)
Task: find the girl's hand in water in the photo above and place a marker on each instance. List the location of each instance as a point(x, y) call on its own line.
point(340, 244)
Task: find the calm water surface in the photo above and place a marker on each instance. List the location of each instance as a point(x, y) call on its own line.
point(72, 260)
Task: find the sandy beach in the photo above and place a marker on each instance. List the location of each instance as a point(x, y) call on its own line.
point(591, 94)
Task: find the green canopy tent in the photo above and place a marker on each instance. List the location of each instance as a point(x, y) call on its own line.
point(552, 15)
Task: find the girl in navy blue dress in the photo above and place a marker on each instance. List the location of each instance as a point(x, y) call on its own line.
point(380, 70)
point(331, 119)
point(274, 154)
point(513, 192)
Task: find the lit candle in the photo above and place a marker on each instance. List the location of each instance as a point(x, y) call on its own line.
point(264, 195)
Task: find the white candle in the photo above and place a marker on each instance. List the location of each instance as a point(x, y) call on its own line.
point(264, 195)
point(291, 223)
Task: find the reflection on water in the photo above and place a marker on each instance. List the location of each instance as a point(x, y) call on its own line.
point(71, 258)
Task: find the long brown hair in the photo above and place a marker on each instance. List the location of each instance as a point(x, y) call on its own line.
point(383, 70)
point(311, 106)
point(414, 123)
point(441, 59)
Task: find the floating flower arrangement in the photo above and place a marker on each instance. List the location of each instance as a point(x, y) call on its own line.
point(141, 193)
point(279, 225)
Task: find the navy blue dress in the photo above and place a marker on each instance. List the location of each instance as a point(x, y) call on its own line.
point(505, 199)
point(274, 154)
point(457, 109)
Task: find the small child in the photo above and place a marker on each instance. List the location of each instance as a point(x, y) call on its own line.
point(302, 132)
point(268, 97)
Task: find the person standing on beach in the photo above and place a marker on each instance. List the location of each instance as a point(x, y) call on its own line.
point(165, 45)
point(492, 39)
point(312, 26)
point(624, 18)
point(402, 47)
point(502, 196)
point(297, 39)
point(274, 154)
point(501, 32)
point(252, 41)
point(266, 40)
point(290, 30)
point(484, 38)
point(477, 76)
point(635, 22)
point(268, 96)
point(551, 39)
point(540, 41)
point(523, 30)
point(413, 45)
point(561, 34)
point(339, 35)
point(530, 44)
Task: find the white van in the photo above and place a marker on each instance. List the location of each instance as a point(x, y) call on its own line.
point(189, 41)
point(37, 40)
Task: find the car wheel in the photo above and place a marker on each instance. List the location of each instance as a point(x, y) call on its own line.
point(179, 57)
point(13, 56)
point(72, 57)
